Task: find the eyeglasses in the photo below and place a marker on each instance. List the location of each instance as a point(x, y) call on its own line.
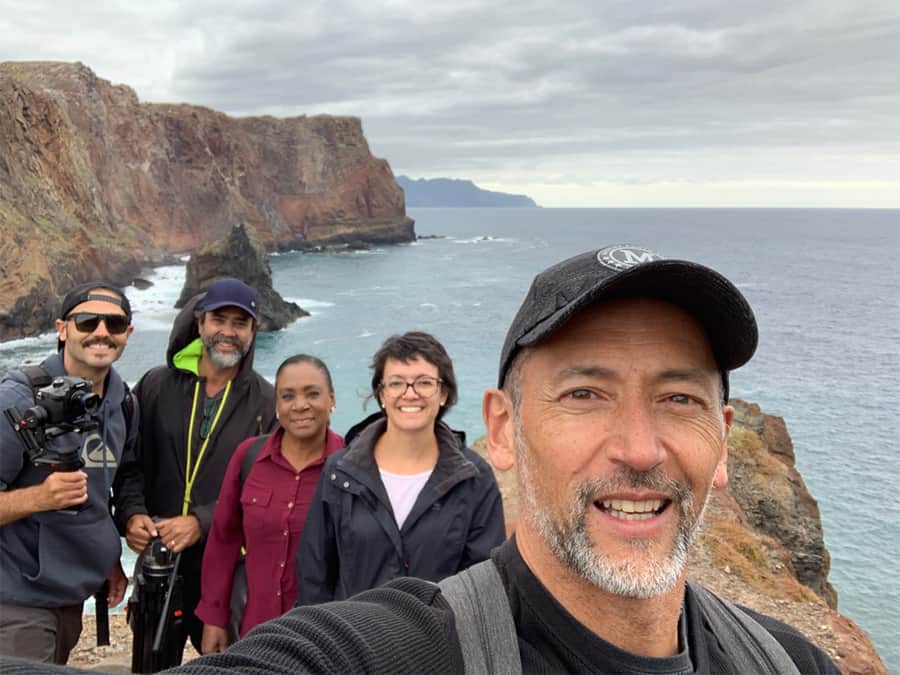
point(425, 386)
point(87, 322)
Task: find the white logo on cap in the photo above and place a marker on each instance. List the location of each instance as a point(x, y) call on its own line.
point(625, 257)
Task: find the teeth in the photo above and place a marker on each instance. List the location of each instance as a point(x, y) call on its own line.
point(410, 408)
point(628, 507)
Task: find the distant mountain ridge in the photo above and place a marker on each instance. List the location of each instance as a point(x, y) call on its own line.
point(451, 192)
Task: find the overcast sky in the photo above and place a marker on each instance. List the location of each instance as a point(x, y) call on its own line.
point(635, 103)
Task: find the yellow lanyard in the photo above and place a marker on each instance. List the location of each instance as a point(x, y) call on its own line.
point(191, 476)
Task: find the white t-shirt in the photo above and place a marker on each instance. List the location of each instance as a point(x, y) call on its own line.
point(403, 490)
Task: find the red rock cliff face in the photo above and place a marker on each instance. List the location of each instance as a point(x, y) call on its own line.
point(95, 183)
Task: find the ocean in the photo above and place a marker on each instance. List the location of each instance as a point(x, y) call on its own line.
point(823, 283)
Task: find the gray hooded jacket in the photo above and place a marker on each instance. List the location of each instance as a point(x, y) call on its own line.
point(56, 559)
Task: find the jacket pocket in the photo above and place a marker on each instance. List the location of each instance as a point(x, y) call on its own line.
point(255, 496)
point(75, 555)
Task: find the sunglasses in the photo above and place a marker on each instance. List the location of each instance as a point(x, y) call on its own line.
point(87, 322)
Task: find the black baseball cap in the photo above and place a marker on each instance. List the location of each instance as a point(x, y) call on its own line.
point(622, 271)
point(82, 293)
point(229, 292)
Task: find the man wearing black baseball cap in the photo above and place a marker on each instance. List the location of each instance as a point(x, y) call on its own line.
point(612, 405)
point(51, 560)
point(195, 410)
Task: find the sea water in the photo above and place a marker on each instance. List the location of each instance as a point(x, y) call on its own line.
point(823, 283)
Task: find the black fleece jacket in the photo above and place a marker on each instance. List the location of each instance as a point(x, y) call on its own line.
point(351, 541)
point(152, 480)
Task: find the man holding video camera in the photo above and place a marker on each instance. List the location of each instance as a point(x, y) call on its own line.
point(58, 542)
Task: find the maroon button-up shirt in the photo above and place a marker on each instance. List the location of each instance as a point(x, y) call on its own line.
point(267, 517)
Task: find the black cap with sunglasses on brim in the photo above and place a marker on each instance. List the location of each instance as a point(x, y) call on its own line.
point(82, 293)
point(621, 271)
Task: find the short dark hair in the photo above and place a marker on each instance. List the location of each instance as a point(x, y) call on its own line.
point(312, 360)
point(407, 347)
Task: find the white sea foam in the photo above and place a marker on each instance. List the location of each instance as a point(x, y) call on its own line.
point(484, 239)
point(309, 303)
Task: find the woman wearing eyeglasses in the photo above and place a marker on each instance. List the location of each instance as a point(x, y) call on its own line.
point(405, 496)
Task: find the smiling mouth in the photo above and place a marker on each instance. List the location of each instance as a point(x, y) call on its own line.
point(410, 408)
point(628, 509)
point(100, 345)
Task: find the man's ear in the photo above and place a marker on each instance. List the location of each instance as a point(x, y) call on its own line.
point(61, 329)
point(497, 411)
point(720, 479)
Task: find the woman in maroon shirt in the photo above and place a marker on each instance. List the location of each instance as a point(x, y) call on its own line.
point(266, 515)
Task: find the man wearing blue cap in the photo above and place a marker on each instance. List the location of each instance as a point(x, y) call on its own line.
point(194, 412)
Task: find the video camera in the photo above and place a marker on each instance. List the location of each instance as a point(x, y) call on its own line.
point(156, 610)
point(65, 405)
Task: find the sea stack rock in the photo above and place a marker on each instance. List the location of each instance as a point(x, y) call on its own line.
point(241, 256)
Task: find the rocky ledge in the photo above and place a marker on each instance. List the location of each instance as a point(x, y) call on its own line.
point(94, 183)
point(762, 544)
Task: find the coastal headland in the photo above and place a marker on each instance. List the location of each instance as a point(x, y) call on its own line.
point(95, 183)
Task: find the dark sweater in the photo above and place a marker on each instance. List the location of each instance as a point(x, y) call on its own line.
point(408, 627)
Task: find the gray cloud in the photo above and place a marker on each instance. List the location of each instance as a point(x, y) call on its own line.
point(525, 92)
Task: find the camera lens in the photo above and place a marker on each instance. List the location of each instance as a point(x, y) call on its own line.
point(90, 403)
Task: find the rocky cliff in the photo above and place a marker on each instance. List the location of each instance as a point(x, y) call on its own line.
point(95, 183)
point(762, 544)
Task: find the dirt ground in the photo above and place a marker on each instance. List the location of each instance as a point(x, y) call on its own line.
point(116, 658)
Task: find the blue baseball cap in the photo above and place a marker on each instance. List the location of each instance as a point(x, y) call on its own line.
point(229, 293)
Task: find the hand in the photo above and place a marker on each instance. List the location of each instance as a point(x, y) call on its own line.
point(215, 639)
point(179, 533)
point(62, 489)
point(139, 530)
point(118, 582)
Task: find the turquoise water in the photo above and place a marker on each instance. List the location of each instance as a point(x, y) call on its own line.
point(824, 285)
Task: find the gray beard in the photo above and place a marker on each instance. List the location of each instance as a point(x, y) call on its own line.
point(642, 574)
point(221, 360)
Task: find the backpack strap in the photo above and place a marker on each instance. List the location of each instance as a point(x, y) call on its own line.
point(38, 377)
point(751, 647)
point(127, 408)
point(255, 448)
point(484, 622)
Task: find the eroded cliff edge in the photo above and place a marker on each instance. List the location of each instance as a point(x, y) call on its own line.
point(95, 183)
point(762, 544)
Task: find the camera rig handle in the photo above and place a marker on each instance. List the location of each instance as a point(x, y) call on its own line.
point(34, 440)
point(163, 624)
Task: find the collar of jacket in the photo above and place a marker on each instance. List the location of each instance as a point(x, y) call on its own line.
point(188, 358)
point(359, 461)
